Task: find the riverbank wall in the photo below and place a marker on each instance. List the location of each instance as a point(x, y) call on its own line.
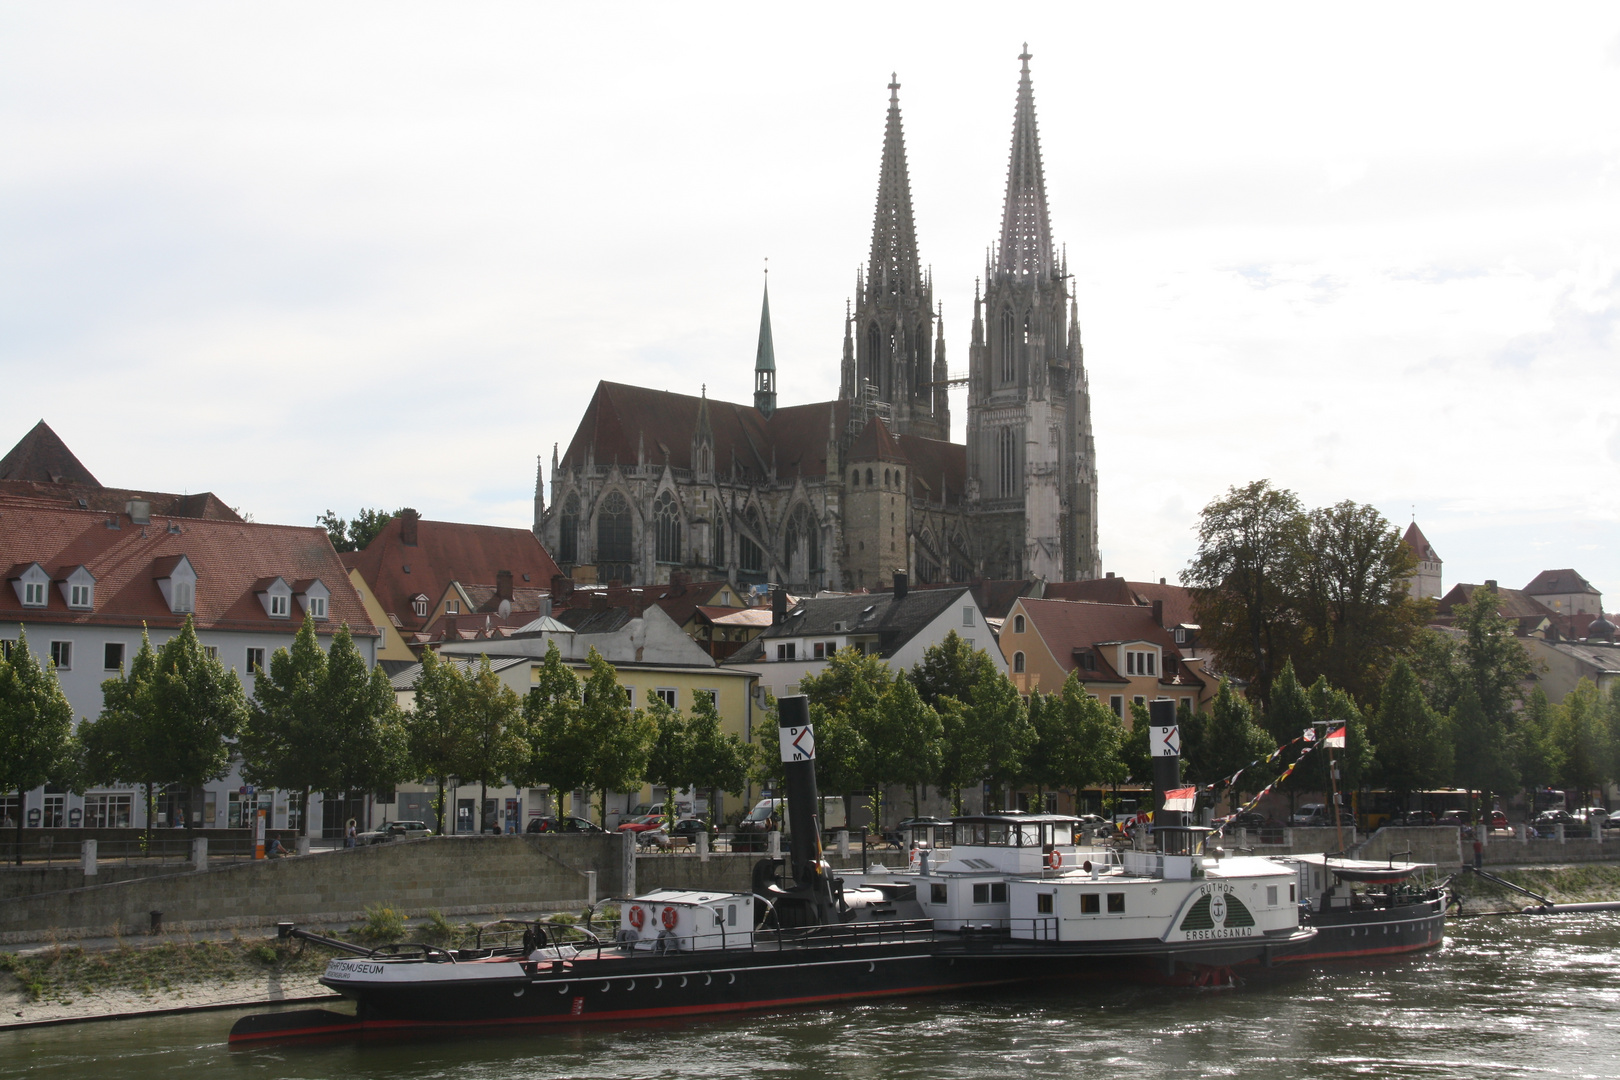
point(453, 875)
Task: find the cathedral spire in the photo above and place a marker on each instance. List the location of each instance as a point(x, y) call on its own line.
point(893, 265)
point(765, 359)
point(1026, 234)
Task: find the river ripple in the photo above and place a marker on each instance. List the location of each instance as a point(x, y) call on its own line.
point(1505, 997)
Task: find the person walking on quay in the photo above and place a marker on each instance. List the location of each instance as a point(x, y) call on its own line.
point(349, 834)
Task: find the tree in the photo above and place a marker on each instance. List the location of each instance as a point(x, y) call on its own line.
point(951, 669)
point(904, 739)
point(1484, 756)
point(320, 721)
point(1233, 741)
point(1077, 739)
point(355, 535)
point(436, 727)
point(1243, 577)
point(719, 759)
point(1287, 716)
point(845, 699)
point(619, 737)
point(1492, 659)
point(1536, 751)
point(960, 752)
point(1414, 743)
point(1331, 704)
point(36, 727)
point(1357, 614)
point(558, 753)
point(119, 746)
point(1580, 731)
point(494, 747)
point(999, 727)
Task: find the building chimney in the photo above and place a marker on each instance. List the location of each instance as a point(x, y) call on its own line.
point(599, 601)
point(1491, 582)
point(1161, 581)
point(450, 628)
point(678, 580)
point(1158, 613)
point(503, 584)
point(901, 582)
point(1109, 574)
point(778, 606)
point(407, 526)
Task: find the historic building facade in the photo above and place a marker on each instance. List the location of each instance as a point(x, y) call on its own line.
point(840, 494)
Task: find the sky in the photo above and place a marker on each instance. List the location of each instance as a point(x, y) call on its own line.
point(312, 256)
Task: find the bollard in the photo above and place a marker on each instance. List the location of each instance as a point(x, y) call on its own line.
point(199, 853)
point(1522, 831)
point(590, 888)
point(88, 858)
point(703, 847)
point(843, 844)
point(1558, 832)
point(1242, 837)
point(773, 845)
point(1597, 830)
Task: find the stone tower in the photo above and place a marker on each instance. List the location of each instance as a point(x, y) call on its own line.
point(1032, 479)
point(1425, 584)
point(894, 363)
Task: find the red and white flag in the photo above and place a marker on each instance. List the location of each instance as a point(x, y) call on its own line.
point(1180, 799)
point(1336, 737)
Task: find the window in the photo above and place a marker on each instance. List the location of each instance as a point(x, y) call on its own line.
point(886, 480)
point(1018, 624)
point(112, 656)
point(614, 538)
point(1140, 663)
point(666, 694)
point(667, 528)
point(33, 594)
point(1043, 903)
point(1018, 663)
point(1087, 661)
point(1117, 703)
point(568, 531)
point(629, 696)
point(107, 810)
point(1139, 699)
point(855, 478)
point(452, 607)
point(211, 651)
point(419, 607)
point(295, 811)
point(1090, 903)
point(711, 696)
point(10, 811)
point(55, 807)
point(317, 607)
point(1291, 899)
point(967, 616)
point(185, 596)
point(382, 638)
point(1187, 703)
point(62, 655)
point(990, 892)
point(820, 650)
point(787, 651)
point(1007, 343)
point(79, 596)
point(937, 893)
point(1181, 636)
point(6, 645)
point(1271, 895)
point(803, 544)
point(278, 605)
point(255, 660)
point(1009, 483)
point(832, 647)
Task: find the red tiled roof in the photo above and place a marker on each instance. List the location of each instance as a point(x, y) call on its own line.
point(1554, 582)
point(1178, 601)
point(230, 557)
point(1066, 625)
point(41, 456)
point(1419, 543)
point(680, 601)
point(446, 551)
point(1510, 603)
point(876, 444)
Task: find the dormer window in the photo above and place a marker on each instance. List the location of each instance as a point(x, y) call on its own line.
point(78, 587)
point(31, 582)
point(79, 596)
point(313, 596)
point(33, 594)
point(276, 596)
point(419, 604)
point(177, 578)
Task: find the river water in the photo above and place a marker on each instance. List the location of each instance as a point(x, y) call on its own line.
point(1505, 997)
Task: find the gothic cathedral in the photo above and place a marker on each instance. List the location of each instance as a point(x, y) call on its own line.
point(841, 494)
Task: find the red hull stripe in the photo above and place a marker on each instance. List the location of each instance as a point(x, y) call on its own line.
point(1359, 952)
point(620, 1014)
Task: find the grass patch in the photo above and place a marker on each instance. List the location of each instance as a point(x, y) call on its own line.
point(66, 972)
point(1573, 884)
point(383, 925)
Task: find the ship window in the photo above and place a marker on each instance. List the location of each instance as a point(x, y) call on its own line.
point(1090, 903)
point(1043, 903)
point(1271, 895)
point(1291, 899)
point(1116, 903)
point(731, 914)
point(936, 893)
point(981, 892)
point(998, 892)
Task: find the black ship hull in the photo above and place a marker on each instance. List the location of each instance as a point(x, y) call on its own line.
point(1347, 933)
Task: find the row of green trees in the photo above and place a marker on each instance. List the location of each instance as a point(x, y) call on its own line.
point(319, 720)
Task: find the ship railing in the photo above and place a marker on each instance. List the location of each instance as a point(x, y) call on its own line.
point(1038, 928)
point(848, 934)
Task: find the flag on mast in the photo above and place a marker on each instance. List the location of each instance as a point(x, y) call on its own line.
point(1180, 799)
point(1336, 737)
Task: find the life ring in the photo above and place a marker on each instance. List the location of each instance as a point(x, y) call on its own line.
point(670, 915)
point(1054, 859)
point(638, 918)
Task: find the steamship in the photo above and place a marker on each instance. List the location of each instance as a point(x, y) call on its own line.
point(1019, 897)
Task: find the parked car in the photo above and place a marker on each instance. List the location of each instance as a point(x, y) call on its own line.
point(1499, 820)
point(1587, 814)
point(566, 825)
point(394, 830)
point(1310, 815)
point(644, 823)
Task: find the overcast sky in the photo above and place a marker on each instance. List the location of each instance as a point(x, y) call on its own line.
point(316, 255)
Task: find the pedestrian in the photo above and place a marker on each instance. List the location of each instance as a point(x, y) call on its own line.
point(1479, 854)
point(349, 834)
